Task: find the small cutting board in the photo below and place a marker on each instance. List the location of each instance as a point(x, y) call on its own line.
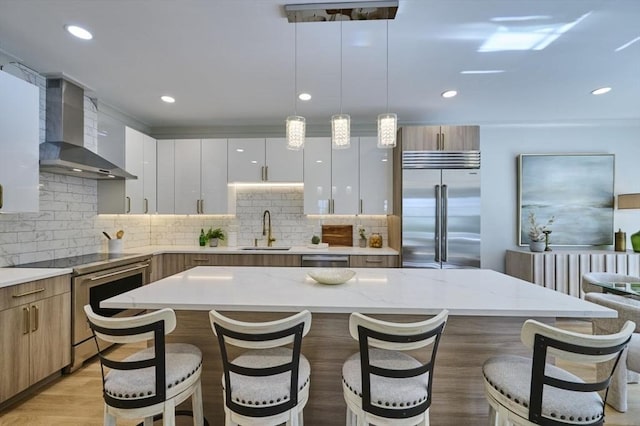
point(337, 235)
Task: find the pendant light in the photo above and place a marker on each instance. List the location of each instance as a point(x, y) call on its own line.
point(388, 122)
point(295, 124)
point(340, 123)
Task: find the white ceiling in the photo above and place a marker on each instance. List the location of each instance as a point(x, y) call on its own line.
point(231, 62)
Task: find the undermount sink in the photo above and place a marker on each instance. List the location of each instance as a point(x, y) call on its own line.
point(266, 248)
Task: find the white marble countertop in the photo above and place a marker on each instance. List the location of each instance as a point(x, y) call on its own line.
point(465, 292)
point(160, 249)
point(13, 276)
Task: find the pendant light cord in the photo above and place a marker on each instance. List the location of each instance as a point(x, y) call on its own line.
point(341, 62)
point(387, 66)
point(295, 68)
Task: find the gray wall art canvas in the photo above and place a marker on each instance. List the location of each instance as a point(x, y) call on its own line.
point(575, 189)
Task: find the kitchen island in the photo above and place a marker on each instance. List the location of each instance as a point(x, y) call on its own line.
point(486, 308)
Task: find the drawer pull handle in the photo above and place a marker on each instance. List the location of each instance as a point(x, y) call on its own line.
point(111, 274)
point(25, 320)
point(200, 260)
point(373, 261)
point(27, 293)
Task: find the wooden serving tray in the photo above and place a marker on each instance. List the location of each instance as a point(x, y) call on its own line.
point(337, 235)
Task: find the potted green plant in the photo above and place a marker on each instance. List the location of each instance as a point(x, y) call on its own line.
point(537, 233)
point(363, 237)
point(213, 235)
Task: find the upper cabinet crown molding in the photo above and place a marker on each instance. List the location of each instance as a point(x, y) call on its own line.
point(19, 139)
point(254, 160)
point(440, 138)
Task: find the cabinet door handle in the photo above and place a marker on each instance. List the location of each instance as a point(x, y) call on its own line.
point(361, 206)
point(35, 313)
point(27, 293)
point(25, 320)
point(146, 205)
point(201, 206)
point(266, 173)
point(0, 196)
point(442, 140)
point(128, 205)
point(198, 206)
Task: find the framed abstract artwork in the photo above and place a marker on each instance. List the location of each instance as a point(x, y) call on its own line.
point(576, 190)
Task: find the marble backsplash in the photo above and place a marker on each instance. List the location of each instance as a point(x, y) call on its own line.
point(68, 223)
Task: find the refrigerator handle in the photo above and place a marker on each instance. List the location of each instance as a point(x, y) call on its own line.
point(445, 213)
point(438, 223)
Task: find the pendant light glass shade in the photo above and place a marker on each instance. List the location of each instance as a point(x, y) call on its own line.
point(296, 127)
point(387, 130)
point(340, 131)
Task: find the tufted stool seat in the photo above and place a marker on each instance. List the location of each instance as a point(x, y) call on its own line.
point(268, 390)
point(383, 384)
point(183, 367)
point(510, 376)
point(268, 383)
point(530, 391)
point(384, 392)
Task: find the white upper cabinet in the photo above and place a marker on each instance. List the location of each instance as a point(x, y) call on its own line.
point(376, 177)
point(140, 160)
point(282, 164)
point(19, 150)
point(132, 196)
point(330, 178)
point(263, 160)
point(192, 177)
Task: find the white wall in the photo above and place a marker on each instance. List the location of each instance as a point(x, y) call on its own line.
point(500, 146)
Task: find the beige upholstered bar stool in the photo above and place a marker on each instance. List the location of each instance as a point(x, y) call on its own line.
point(153, 381)
point(269, 383)
point(629, 366)
point(382, 384)
point(589, 278)
point(530, 391)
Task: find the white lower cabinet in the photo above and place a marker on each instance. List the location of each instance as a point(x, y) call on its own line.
point(19, 150)
point(192, 177)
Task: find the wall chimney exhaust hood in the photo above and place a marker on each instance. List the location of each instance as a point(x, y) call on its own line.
point(63, 151)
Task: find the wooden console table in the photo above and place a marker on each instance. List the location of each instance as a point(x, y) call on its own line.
point(562, 270)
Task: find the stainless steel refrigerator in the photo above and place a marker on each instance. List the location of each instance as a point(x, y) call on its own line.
point(440, 209)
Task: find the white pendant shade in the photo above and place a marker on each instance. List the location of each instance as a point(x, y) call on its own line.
point(387, 130)
point(340, 131)
point(296, 127)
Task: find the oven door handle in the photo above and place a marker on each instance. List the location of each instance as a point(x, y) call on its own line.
point(99, 277)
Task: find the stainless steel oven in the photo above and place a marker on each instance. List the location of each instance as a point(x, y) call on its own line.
point(91, 286)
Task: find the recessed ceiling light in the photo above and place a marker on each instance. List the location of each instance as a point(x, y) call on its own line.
point(168, 99)
point(449, 94)
point(482, 72)
point(78, 32)
point(76, 170)
point(601, 91)
point(304, 96)
point(239, 150)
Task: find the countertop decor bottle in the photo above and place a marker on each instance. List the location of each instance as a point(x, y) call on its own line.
point(635, 242)
point(620, 241)
point(203, 238)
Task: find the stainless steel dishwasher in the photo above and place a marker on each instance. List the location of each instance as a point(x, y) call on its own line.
point(325, 260)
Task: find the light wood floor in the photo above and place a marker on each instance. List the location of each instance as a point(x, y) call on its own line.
point(76, 399)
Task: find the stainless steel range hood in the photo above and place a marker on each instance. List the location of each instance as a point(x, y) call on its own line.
point(63, 151)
